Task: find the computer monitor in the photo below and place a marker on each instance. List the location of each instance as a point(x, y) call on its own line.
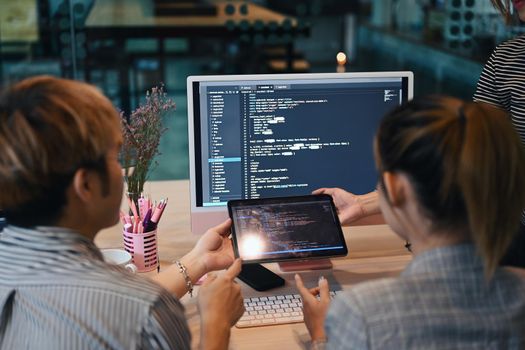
point(259, 136)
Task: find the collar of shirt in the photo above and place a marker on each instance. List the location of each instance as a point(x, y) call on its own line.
point(446, 259)
point(53, 240)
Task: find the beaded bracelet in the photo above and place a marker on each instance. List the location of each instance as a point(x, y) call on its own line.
point(184, 271)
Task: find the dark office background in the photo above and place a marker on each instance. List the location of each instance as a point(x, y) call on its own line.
point(443, 42)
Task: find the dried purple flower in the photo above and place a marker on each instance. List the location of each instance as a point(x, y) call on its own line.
point(142, 132)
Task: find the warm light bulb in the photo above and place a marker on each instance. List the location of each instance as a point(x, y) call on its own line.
point(341, 58)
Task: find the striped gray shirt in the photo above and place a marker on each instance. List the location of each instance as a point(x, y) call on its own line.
point(502, 81)
point(56, 292)
point(441, 301)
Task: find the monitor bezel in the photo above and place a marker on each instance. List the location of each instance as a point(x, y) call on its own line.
point(194, 132)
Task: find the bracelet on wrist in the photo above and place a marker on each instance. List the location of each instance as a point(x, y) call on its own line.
point(187, 279)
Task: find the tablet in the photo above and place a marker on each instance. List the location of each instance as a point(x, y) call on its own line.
point(286, 228)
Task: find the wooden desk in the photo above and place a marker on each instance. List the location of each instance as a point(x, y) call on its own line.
point(374, 252)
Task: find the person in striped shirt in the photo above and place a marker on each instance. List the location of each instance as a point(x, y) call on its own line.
point(61, 183)
point(502, 83)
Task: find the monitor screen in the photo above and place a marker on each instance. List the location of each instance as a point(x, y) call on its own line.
point(262, 136)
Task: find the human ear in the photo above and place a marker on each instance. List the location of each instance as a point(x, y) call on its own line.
point(83, 184)
point(395, 187)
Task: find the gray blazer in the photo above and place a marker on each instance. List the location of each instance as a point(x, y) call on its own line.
point(442, 300)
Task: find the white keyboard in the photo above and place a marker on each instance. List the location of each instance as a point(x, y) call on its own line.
point(272, 310)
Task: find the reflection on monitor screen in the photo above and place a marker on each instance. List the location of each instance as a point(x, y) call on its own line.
point(262, 136)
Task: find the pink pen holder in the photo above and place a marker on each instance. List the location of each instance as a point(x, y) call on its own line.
point(143, 249)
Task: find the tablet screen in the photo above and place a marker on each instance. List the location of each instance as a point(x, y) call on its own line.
point(288, 228)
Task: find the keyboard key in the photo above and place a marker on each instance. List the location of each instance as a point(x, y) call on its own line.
point(284, 320)
point(269, 321)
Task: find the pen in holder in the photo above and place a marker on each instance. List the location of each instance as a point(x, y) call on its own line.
point(143, 249)
point(140, 232)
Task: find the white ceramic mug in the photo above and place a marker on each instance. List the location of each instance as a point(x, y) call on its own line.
point(119, 257)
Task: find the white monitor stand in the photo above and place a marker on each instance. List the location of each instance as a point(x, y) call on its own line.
point(202, 221)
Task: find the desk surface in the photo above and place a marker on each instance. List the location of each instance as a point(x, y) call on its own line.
point(374, 252)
